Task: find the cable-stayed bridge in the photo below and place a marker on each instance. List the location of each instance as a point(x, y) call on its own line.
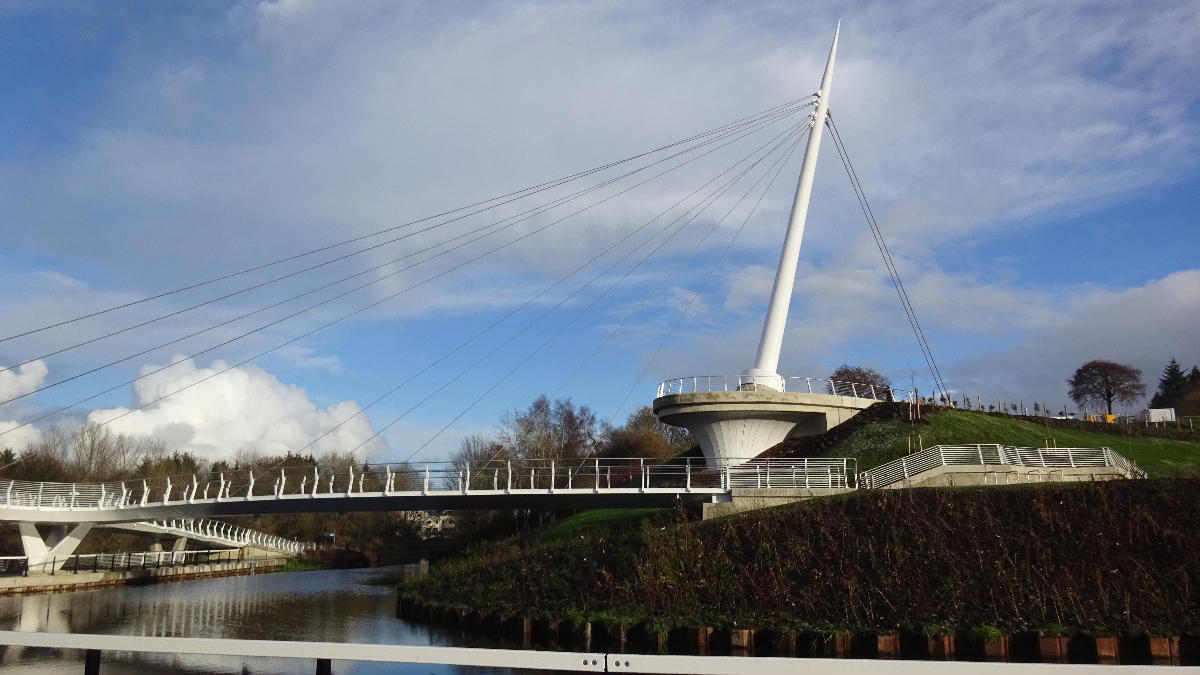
point(732, 417)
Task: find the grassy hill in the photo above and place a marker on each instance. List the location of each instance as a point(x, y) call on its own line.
point(884, 433)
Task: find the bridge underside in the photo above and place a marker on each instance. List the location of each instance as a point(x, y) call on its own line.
point(367, 501)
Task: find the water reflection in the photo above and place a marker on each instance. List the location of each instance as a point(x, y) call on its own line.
point(336, 606)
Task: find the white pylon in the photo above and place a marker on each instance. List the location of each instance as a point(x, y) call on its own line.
point(766, 366)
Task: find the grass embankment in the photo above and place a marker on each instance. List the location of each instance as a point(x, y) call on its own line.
point(1121, 556)
point(886, 435)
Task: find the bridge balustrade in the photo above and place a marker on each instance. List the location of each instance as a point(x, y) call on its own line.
point(497, 476)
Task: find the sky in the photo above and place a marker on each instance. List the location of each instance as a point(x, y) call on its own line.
point(1031, 165)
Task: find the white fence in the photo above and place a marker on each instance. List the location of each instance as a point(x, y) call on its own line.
point(947, 455)
point(811, 385)
point(119, 562)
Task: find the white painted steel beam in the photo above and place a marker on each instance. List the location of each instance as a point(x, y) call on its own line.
point(766, 365)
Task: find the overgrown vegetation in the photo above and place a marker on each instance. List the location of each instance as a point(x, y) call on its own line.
point(1118, 556)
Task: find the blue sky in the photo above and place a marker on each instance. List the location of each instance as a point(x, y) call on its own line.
point(1032, 165)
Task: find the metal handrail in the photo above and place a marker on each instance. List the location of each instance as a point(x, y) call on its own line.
point(811, 385)
point(994, 454)
point(590, 474)
point(109, 562)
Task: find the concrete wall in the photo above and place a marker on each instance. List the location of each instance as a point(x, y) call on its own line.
point(749, 499)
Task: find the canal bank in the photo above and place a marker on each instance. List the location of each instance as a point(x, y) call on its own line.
point(79, 580)
point(980, 567)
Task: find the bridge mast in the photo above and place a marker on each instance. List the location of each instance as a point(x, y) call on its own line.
point(766, 366)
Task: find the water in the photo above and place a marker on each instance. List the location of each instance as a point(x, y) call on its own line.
point(327, 605)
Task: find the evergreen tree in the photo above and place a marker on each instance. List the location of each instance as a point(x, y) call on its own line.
point(1171, 386)
point(1194, 376)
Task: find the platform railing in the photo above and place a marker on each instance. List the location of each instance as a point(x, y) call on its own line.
point(810, 385)
point(991, 454)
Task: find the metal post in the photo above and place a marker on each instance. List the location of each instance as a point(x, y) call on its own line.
point(767, 362)
point(1070, 458)
point(597, 475)
point(904, 465)
point(467, 485)
point(508, 464)
point(425, 491)
point(551, 476)
point(689, 474)
point(642, 470)
point(806, 472)
point(91, 662)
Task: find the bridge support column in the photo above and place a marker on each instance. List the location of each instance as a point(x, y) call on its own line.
point(57, 546)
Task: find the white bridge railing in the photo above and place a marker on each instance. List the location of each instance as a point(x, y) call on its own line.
point(947, 455)
point(116, 562)
point(584, 475)
point(811, 385)
point(217, 532)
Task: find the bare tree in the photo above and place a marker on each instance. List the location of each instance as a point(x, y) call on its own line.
point(1103, 382)
point(550, 430)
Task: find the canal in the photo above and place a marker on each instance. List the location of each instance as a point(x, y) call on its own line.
point(327, 605)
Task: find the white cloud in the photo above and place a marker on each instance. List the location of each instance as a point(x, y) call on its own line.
point(58, 280)
point(23, 380)
point(1143, 326)
point(17, 439)
point(245, 408)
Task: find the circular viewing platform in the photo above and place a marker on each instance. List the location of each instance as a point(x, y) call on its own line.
point(734, 418)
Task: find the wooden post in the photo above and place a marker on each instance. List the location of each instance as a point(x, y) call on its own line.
point(888, 645)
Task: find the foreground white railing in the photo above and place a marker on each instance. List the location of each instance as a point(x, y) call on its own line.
point(811, 385)
point(590, 475)
point(324, 653)
point(946, 455)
